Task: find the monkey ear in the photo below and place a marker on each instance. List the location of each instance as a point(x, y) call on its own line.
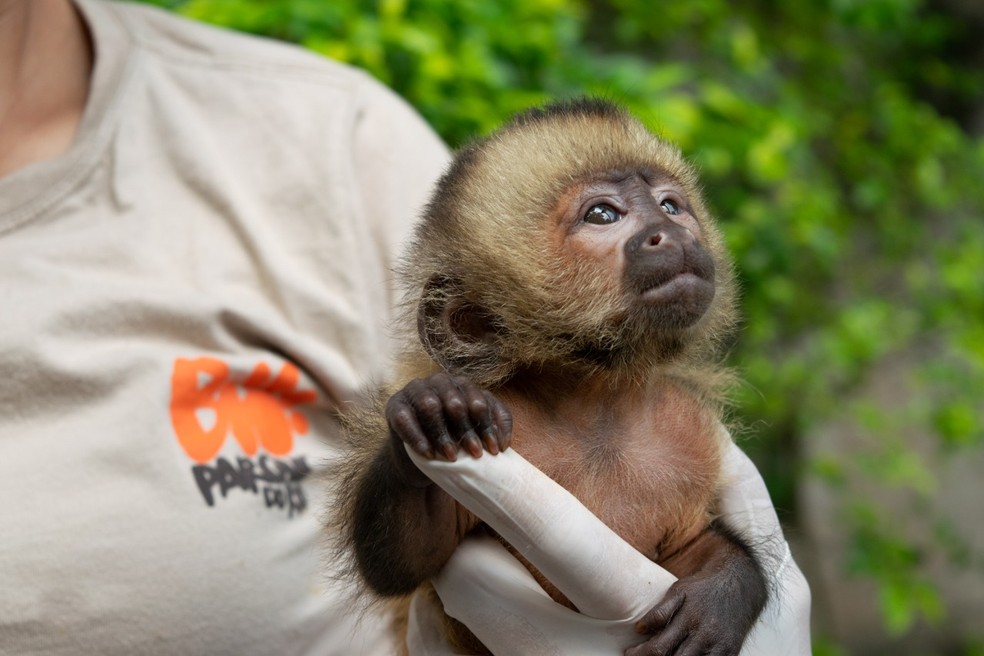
point(459, 334)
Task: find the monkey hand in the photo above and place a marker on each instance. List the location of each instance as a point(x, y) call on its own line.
point(708, 612)
point(442, 414)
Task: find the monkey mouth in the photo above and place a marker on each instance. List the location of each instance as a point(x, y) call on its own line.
point(675, 301)
point(667, 289)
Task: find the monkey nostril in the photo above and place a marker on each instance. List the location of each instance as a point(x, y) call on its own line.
point(651, 241)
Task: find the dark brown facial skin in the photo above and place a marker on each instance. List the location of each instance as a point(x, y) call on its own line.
point(641, 451)
point(641, 224)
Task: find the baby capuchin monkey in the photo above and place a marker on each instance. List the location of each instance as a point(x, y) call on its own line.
point(569, 292)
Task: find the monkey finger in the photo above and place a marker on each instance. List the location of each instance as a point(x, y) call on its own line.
point(403, 424)
point(490, 441)
point(471, 443)
point(453, 402)
point(457, 414)
point(501, 421)
point(659, 616)
point(664, 644)
point(430, 415)
point(479, 412)
point(691, 647)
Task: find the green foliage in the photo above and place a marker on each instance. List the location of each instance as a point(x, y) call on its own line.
point(827, 135)
point(880, 553)
point(823, 647)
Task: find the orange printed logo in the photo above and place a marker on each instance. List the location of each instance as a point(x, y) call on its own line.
point(207, 405)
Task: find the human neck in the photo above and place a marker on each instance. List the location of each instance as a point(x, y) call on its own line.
point(45, 65)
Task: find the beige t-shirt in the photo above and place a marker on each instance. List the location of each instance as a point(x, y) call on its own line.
point(185, 296)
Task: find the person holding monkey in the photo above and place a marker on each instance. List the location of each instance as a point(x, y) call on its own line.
point(196, 235)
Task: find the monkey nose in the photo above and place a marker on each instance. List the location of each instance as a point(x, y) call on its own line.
point(653, 240)
point(663, 235)
point(656, 240)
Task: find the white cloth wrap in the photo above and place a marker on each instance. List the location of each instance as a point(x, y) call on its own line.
point(611, 583)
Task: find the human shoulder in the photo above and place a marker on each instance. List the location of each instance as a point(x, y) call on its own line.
point(182, 42)
point(263, 82)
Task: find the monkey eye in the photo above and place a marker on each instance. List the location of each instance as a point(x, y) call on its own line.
point(602, 214)
point(670, 207)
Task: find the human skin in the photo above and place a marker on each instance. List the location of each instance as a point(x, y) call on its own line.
point(46, 61)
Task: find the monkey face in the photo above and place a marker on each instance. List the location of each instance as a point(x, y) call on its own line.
point(637, 228)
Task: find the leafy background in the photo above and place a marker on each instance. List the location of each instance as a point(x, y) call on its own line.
point(841, 146)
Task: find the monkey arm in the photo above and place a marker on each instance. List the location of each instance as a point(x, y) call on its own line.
point(715, 603)
point(404, 528)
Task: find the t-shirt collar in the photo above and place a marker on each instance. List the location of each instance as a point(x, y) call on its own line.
point(31, 191)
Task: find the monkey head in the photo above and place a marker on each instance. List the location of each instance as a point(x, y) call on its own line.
point(575, 237)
